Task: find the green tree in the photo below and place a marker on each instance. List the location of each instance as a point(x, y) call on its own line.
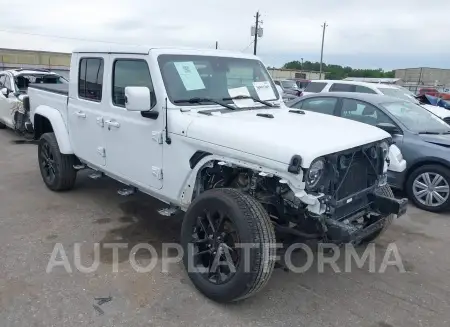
point(337, 71)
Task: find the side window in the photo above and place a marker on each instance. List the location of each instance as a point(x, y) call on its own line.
point(315, 87)
point(320, 105)
point(363, 112)
point(2, 80)
point(364, 89)
point(130, 72)
point(90, 79)
point(8, 82)
point(340, 87)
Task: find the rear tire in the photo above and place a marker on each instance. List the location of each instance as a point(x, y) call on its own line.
point(56, 168)
point(384, 191)
point(420, 176)
point(252, 224)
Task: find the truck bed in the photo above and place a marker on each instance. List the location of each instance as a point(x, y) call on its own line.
point(55, 88)
point(48, 95)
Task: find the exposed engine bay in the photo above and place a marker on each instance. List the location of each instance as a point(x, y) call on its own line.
point(346, 185)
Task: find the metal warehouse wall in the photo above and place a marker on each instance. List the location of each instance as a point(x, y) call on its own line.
point(424, 76)
point(14, 58)
point(291, 73)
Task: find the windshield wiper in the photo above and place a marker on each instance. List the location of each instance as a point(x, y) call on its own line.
point(242, 97)
point(434, 133)
point(198, 100)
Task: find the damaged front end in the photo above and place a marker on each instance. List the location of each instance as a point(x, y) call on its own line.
point(20, 112)
point(351, 191)
point(343, 196)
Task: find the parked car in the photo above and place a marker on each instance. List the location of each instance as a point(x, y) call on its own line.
point(235, 160)
point(13, 86)
point(422, 138)
point(396, 91)
point(434, 92)
point(289, 87)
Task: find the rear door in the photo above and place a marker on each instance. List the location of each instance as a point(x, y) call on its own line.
point(86, 108)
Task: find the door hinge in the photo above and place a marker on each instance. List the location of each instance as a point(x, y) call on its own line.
point(157, 172)
point(157, 137)
point(101, 151)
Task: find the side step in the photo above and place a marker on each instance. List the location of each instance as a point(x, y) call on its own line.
point(127, 191)
point(170, 211)
point(79, 167)
point(96, 175)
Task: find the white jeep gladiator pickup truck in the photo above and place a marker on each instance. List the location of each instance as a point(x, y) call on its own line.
point(207, 133)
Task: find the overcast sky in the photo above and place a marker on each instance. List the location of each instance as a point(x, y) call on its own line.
point(364, 34)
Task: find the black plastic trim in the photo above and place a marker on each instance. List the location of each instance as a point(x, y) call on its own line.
point(265, 115)
point(150, 114)
point(295, 165)
point(196, 157)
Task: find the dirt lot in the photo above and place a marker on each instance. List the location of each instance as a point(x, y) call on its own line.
point(33, 219)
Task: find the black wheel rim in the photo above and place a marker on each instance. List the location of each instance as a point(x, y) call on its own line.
point(48, 163)
point(215, 252)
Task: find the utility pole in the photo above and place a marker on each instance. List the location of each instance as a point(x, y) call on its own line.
point(321, 51)
point(217, 45)
point(301, 67)
point(256, 31)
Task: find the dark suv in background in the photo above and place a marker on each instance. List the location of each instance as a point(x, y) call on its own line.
point(423, 138)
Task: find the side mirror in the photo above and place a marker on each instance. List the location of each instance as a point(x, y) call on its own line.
point(388, 127)
point(137, 98)
point(5, 92)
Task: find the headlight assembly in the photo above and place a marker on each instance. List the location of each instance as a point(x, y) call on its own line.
point(315, 173)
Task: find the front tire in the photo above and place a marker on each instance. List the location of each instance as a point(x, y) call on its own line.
point(56, 168)
point(215, 223)
point(429, 188)
point(2, 126)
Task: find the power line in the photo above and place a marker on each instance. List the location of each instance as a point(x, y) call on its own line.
point(62, 37)
point(248, 46)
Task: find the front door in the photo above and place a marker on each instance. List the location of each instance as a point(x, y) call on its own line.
point(85, 111)
point(133, 146)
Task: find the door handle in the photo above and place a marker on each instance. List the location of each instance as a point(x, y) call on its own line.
point(112, 123)
point(80, 114)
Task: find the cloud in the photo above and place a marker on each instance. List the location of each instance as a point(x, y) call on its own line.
point(409, 29)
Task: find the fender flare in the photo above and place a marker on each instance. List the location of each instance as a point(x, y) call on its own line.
point(58, 125)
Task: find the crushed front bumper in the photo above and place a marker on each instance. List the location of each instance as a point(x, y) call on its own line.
point(356, 227)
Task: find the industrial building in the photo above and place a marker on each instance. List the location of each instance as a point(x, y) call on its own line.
point(15, 58)
point(415, 78)
point(281, 73)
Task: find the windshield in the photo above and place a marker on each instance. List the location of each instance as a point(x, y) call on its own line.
point(191, 76)
point(289, 84)
point(415, 118)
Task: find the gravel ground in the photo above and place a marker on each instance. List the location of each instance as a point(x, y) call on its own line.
point(33, 220)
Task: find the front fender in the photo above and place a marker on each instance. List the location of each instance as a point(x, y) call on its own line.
point(58, 125)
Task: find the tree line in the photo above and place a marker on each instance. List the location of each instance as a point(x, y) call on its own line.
point(337, 71)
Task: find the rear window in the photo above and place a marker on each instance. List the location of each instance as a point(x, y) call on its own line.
point(315, 87)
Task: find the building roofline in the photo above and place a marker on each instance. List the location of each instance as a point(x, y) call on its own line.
point(30, 50)
point(421, 68)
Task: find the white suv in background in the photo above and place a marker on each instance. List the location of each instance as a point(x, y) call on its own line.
point(395, 91)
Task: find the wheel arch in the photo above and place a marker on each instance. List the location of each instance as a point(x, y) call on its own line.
point(48, 120)
point(422, 162)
